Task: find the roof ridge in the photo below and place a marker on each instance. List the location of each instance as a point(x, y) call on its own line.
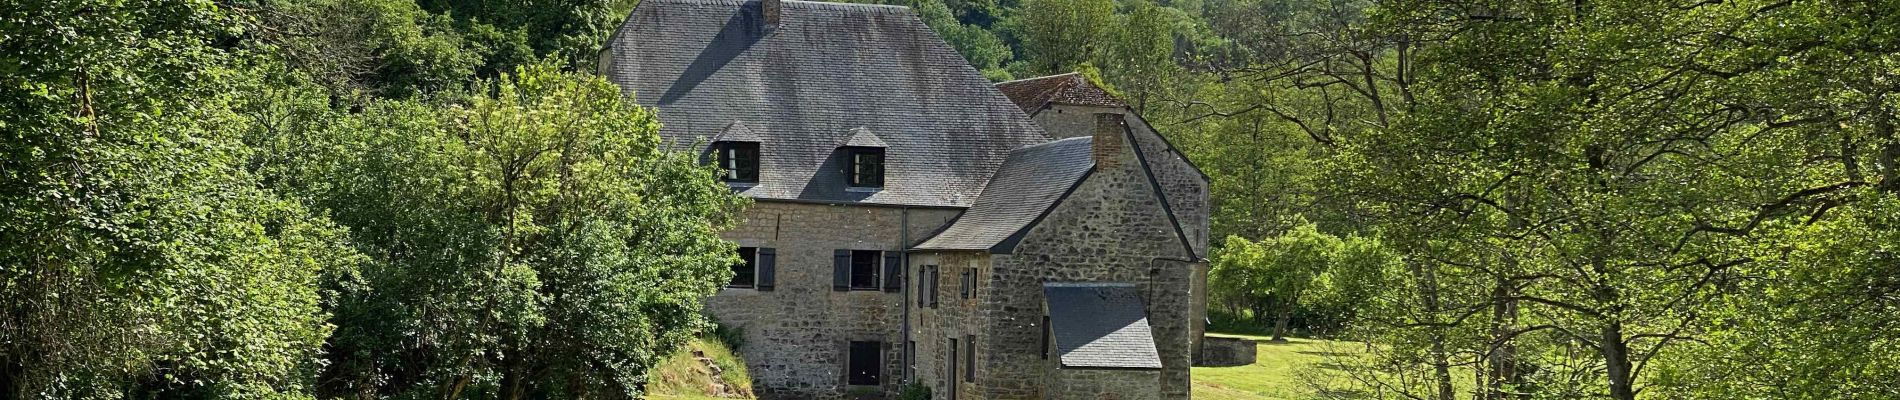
point(1037, 78)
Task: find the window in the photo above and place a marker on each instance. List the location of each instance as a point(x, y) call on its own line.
point(910, 359)
point(864, 365)
point(740, 160)
point(927, 286)
point(757, 269)
point(745, 273)
point(1045, 337)
point(968, 281)
point(950, 367)
point(864, 269)
point(865, 167)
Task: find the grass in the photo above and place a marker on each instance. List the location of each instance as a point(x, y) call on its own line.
point(682, 377)
point(1291, 370)
point(1296, 369)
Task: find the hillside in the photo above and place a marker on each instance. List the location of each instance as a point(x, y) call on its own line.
point(704, 369)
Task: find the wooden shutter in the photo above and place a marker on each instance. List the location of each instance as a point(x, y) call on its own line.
point(768, 269)
point(969, 374)
point(936, 276)
point(840, 270)
point(923, 280)
point(893, 272)
point(963, 280)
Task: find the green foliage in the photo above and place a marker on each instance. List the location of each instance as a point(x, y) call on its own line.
point(914, 391)
point(534, 234)
point(141, 258)
point(1301, 269)
point(1060, 35)
point(731, 336)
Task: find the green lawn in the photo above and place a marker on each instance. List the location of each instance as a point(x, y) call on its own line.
point(1296, 369)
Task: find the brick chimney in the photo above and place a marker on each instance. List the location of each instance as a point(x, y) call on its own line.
point(770, 9)
point(1107, 143)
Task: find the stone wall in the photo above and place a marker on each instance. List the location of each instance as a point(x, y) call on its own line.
point(953, 317)
point(796, 334)
point(1112, 228)
point(1186, 189)
point(1105, 384)
point(1227, 352)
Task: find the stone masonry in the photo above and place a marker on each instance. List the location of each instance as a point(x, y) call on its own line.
point(795, 333)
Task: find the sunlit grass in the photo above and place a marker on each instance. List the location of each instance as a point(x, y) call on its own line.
point(681, 377)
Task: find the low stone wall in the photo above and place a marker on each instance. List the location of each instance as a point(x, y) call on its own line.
point(1227, 352)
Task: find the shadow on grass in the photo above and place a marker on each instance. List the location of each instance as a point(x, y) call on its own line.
point(1328, 354)
point(1343, 394)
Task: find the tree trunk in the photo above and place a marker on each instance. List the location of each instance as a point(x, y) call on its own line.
point(1616, 358)
point(1503, 356)
point(1279, 321)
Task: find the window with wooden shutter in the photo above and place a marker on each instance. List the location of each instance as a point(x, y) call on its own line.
point(841, 270)
point(768, 269)
point(936, 276)
point(893, 271)
point(967, 279)
point(864, 266)
point(927, 286)
point(745, 273)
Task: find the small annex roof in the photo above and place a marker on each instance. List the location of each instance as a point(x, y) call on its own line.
point(862, 137)
point(1070, 88)
point(737, 131)
point(1033, 180)
point(1100, 325)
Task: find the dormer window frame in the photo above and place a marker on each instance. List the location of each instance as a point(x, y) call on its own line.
point(857, 160)
point(739, 161)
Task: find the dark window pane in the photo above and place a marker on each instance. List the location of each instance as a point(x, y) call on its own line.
point(745, 272)
point(740, 160)
point(866, 167)
point(864, 363)
point(864, 269)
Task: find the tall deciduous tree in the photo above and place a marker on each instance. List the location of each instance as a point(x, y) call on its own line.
point(531, 242)
point(1061, 35)
point(138, 256)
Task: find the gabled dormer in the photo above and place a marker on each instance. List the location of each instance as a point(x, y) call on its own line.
point(737, 150)
point(864, 161)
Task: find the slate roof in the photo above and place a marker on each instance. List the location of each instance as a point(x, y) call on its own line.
point(1071, 88)
point(737, 132)
point(862, 137)
point(804, 85)
point(1100, 325)
point(1032, 181)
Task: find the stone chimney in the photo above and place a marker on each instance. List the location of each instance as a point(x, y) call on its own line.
point(1107, 143)
point(770, 9)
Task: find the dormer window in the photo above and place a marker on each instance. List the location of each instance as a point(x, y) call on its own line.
point(740, 160)
point(866, 167)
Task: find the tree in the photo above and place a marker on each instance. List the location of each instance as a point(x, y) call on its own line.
point(1271, 275)
point(533, 241)
point(1061, 35)
point(1612, 169)
point(140, 257)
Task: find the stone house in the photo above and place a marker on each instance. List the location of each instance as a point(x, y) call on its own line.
point(913, 222)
